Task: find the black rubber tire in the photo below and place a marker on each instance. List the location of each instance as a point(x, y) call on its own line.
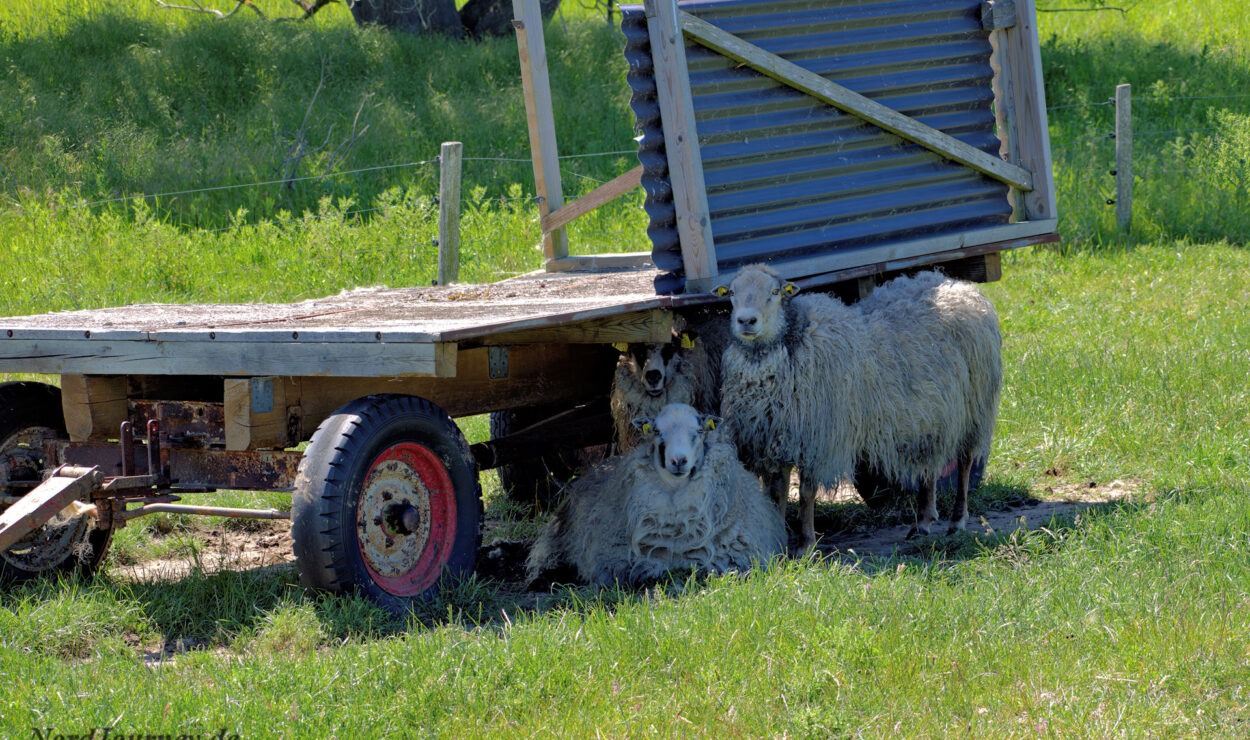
point(29, 414)
point(386, 502)
point(880, 494)
point(536, 484)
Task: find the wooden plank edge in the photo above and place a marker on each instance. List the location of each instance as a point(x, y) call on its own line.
point(848, 100)
point(593, 262)
point(818, 271)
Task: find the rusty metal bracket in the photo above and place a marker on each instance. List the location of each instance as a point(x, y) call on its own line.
point(67, 485)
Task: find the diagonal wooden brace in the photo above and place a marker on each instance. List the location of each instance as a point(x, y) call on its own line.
point(37, 507)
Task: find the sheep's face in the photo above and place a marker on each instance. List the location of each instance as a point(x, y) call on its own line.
point(676, 438)
point(653, 365)
point(758, 295)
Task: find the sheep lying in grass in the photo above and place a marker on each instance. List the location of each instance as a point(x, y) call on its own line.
point(907, 380)
point(650, 376)
point(679, 500)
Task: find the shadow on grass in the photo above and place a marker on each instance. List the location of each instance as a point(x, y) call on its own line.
point(232, 609)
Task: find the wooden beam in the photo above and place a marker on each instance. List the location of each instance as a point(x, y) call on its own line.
point(641, 326)
point(848, 100)
point(605, 193)
point(538, 374)
point(541, 118)
point(94, 405)
point(1030, 138)
point(256, 414)
point(243, 358)
point(681, 141)
point(912, 253)
point(601, 262)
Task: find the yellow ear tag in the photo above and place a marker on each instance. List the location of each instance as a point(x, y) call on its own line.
point(687, 342)
point(710, 424)
point(721, 291)
point(621, 347)
point(647, 428)
point(791, 289)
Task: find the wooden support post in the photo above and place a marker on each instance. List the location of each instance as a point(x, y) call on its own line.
point(449, 213)
point(1124, 158)
point(542, 123)
point(1029, 141)
point(681, 140)
point(94, 405)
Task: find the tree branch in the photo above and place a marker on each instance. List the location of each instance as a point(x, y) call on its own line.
point(197, 7)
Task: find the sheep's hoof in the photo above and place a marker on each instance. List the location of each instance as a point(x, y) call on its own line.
point(917, 531)
point(956, 527)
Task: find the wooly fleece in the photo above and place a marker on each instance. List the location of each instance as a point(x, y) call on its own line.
point(625, 522)
point(906, 379)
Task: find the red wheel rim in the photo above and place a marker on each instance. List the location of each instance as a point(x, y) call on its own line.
point(406, 519)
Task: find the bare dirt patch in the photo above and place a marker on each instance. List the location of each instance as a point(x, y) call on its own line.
point(1041, 507)
point(264, 544)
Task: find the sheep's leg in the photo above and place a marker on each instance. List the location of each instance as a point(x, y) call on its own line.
point(807, 511)
point(959, 516)
point(779, 488)
point(926, 506)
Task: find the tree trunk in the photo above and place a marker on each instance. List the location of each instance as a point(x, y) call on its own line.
point(412, 16)
point(483, 18)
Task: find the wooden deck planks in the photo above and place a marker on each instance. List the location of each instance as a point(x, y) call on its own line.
point(373, 332)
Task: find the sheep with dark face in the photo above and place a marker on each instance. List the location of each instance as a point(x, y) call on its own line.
point(650, 376)
point(680, 500)
point(906, 380)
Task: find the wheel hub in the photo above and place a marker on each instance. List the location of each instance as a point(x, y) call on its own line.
point(405, 521)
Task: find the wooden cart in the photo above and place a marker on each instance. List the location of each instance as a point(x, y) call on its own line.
point(158, 402)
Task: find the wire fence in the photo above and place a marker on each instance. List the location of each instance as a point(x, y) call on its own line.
point(1190, 179)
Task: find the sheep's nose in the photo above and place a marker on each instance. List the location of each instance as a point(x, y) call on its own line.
point(653, 377)
point(748, 322)
point(677, 463)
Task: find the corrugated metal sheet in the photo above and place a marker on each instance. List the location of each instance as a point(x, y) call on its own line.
point(790, 177)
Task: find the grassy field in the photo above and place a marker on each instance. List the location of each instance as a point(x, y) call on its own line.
point(1125, 358)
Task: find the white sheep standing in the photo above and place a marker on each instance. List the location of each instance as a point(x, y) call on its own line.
point(650, 376)
point(906, 380)
point(680, 500)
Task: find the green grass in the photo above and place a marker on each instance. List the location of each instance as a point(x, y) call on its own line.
point(1124, 359)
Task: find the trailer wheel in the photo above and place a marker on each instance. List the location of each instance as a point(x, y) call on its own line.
point(386, 502)
point(31, 416)
point(881, 494)
point(536, 484)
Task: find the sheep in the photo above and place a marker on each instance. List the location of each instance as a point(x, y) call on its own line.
point(650, 376)
point(906, 380)
point(679, 500)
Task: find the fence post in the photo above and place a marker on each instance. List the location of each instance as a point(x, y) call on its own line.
point(1124, 157)
point(449, 213)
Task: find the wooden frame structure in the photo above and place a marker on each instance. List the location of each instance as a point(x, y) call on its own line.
point(1019, 106)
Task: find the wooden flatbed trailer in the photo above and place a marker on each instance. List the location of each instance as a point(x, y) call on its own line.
point(158, 402)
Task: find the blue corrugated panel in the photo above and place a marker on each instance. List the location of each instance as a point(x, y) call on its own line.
point(790, 177)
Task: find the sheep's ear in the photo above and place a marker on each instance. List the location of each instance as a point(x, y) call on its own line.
point(645, 426)
point(687, 341)
point(721, 290)
point(790, 289)
point(710, 422)
point(621, 347)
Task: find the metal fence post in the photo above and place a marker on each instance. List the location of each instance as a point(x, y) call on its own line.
point(1124, 157)
point(449, 213)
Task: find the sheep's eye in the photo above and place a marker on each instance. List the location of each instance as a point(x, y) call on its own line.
point(776, 291)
